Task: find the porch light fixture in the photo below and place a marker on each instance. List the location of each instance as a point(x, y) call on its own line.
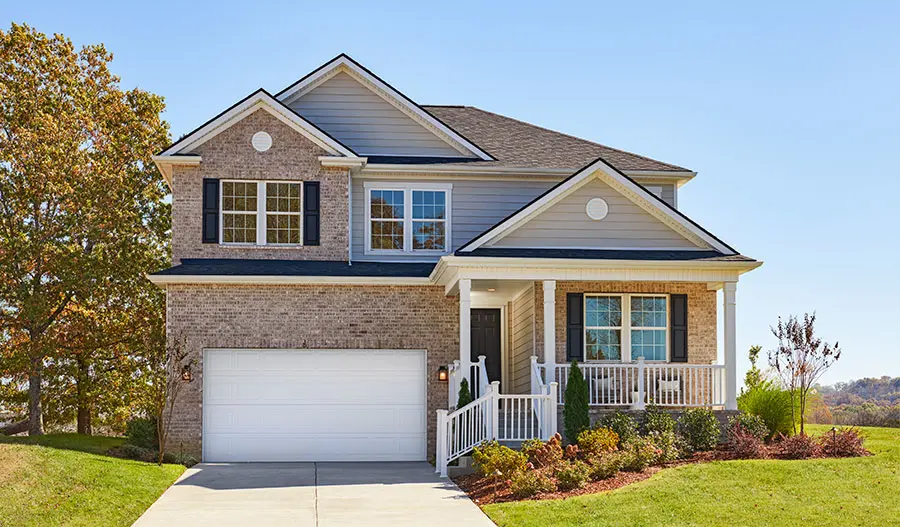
point(492, 289)
point(442, 373)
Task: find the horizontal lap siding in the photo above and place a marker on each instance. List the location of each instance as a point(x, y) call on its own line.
point(476, 206)
point(522, 342)
point(566, 224)
point(365, 122)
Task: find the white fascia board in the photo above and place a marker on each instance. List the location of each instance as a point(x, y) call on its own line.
point(258, 100)
point(165, 164)
point(346, 162)
point(162, 280)
point(644, 199)
point(394, 97)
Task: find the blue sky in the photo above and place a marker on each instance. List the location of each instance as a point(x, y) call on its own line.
point(790, 114)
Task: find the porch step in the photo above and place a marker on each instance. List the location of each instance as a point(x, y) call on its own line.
point(462, 468)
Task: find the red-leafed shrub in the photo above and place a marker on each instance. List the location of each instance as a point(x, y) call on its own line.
point(800, 446)
point(843, 442)
point(744, 444)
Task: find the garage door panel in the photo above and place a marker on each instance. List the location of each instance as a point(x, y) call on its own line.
point(327, 405)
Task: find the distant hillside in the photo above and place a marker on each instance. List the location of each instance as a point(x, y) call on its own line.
point(876, 390)
point(864, 402)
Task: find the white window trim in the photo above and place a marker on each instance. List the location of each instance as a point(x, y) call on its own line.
point(626, 328)
point(260, 213)
point(407, 189)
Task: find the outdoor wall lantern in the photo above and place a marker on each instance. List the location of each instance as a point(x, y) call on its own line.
point(186, 374)
point(442, 373)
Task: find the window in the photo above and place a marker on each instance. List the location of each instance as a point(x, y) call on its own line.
point(625, 327)
point(261, 212)
point(407, 218)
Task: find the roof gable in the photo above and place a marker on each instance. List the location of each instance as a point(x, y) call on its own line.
point(326, 89)
point(622, 185)
point(257, 100)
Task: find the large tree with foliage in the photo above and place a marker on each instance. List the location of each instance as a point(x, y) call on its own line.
point(78, 195)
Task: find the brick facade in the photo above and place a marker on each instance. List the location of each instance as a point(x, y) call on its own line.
point(229, 155)
point(309, 317)
point(701, 313)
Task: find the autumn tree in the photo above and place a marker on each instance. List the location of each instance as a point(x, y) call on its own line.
point(800, 359)
point(78, 194)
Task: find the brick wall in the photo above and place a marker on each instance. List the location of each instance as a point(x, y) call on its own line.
point(701, 313)
point(309, 317)
point(229, 155)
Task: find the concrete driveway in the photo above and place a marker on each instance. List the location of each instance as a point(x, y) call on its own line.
point(317, 494)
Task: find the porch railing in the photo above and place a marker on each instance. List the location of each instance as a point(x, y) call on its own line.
point(505, 417)
point(478, 385)
point(635, 384)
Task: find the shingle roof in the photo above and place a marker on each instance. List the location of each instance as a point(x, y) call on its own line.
point(608, 254)
point(519, 144)
point(245, 267)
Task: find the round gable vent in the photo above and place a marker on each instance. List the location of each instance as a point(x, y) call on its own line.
point(597, 209)
point(261, 141)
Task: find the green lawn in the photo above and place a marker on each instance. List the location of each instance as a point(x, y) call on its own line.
point(65, 479)
point(855, 491)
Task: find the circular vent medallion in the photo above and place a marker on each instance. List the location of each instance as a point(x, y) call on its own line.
point(261, 141)
point(597, 209)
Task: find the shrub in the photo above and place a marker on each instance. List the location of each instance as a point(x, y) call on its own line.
point(530, 446)
point(639, 454)
point(699, 428)
point(549, 454)
point(606, 465)
point(773, 405)
point(748, 424)
point(464, 396)
point(667, 446)
point(141, 432)
point(598, 441)
point(137, 453)
point(843, 442)
point(655, 419)
point(800, 446)
point(493, 460)
point(744, 444)
point(179, 458)
point(623, 425)
point(528, 483)
point(572, 475)
point(576, 415)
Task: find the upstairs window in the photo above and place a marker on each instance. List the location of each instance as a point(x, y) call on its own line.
point(261, 212)
point(407, 218)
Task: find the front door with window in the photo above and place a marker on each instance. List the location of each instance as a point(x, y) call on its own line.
point(486, 340)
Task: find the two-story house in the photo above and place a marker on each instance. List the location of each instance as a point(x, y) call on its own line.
point(344, 257)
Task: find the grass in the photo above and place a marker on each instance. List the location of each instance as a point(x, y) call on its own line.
point(64, 479)
point(854, 491)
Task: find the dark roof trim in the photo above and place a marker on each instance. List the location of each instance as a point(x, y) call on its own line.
point(403, 95)
point(606, 254)
point(235, 105)
point(248, 267)
point(554, 187)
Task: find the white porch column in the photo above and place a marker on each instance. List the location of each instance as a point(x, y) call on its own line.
point(550, 330)
point(465, 329)
point(729, 290)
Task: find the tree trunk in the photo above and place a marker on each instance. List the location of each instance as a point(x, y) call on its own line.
point(82, 389)
point(15, 428)
point(35, 412)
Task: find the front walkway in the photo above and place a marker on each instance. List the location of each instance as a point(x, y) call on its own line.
point(314, 494)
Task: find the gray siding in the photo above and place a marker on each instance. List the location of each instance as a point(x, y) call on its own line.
point(476, 205)
point(566, 224)
point(365, 122)
point(521, 342)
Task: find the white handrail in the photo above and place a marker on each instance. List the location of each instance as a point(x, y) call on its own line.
point(483, 381)
point(537, 381)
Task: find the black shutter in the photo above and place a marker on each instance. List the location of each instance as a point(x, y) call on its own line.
point(574, 326)
point(679, 328)
point(210, 210)
point(310, 213)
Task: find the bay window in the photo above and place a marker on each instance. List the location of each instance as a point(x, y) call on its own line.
point(410, 218)
point(623, 327)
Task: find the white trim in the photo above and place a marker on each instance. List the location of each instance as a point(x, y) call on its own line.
point(389, 94)
point(165, 164)
point(261, 214)
point(258, 100)
point(344, 162)
point(516, 171)
point(631, 190)
point(407, 188)
point(285, 280)
point(584, 247)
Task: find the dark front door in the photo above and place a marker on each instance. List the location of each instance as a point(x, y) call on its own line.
point(486, 341)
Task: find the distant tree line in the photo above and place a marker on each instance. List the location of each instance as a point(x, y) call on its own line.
point(872, 401)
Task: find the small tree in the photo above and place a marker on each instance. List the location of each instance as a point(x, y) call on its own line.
point(801, 358)
point(576, 416)
point(754, 376)
point(465, 394)
point(173, 370)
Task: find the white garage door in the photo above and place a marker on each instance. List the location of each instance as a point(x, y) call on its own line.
point(313, 405)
